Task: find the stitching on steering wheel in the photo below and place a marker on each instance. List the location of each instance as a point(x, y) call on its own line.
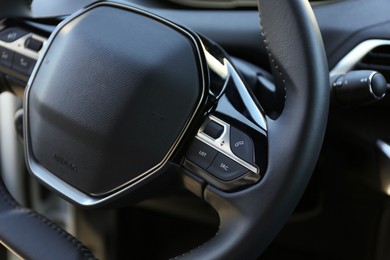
point(84, 250)
point(12, 203)
point(274, 63)
point(185, 253)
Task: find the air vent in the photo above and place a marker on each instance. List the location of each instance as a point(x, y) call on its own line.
point(377, 59)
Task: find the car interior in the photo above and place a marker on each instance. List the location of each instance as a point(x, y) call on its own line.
point(195, 129)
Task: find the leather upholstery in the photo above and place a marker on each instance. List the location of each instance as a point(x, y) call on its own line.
point(32, 236)
point(251, 218)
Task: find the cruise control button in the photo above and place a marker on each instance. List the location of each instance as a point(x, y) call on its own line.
point(23, 64)
point(213, 129)
point(201, 154)
point(12, 34)
point(241, 145)
point(226, 169)
point(6, 57)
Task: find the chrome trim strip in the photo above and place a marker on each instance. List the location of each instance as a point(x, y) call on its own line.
point(247, 179)
point(254, 116)
point(370, 86)
point(384, 176)
point(2, 25)
point(384, 147)
point(58, 184)
point(18, 46)
point(350, 60)
point(254, 111)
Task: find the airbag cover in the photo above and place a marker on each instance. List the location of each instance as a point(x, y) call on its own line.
point(111, 98)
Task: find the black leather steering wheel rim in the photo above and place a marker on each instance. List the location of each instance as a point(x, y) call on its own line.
point(250, 218)
point(30, 235)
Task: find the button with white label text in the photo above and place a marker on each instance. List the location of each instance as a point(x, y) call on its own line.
point(6, 57)
point(23, 64)
point(226, 169)
point(11, 34)
point(201, 154)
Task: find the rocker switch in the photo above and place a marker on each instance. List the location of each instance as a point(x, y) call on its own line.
point(213, 129)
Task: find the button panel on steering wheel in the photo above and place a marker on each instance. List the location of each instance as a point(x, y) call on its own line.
point(226, 160)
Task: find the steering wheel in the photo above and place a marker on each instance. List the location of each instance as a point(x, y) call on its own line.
point(122, 100)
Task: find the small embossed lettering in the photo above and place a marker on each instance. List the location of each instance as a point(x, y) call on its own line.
point(61, 160)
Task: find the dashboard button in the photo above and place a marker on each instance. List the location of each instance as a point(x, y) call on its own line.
point(225, 168)
point(12, 34)
point(201, 154)
point(6, 57)
point(241, 145)
point(33, 44)
point(213, 129)
point(23, 64)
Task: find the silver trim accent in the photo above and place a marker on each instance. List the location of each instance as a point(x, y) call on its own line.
point(255, 117)
point(2, 25)
point(18, 46)
point(247, 179)
point(66, 189)
point(253, 109)
point(384, 147)
point(384, 176)
point(350, 60)
point(222, 144)
point(370, 86)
